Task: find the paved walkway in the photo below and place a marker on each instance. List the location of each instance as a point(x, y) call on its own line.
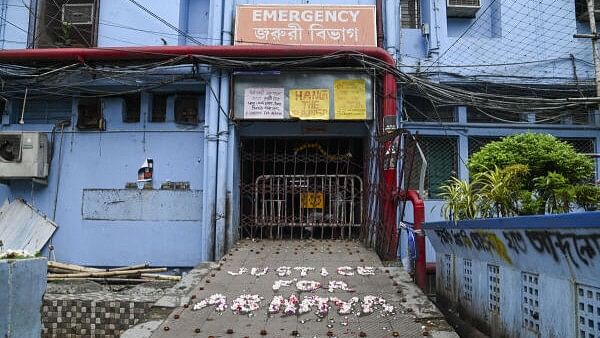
point(412, 314)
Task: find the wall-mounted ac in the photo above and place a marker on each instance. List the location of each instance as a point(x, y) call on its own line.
point(78, 14)
point(23, 155)
point(462, 8)
point(66, 23)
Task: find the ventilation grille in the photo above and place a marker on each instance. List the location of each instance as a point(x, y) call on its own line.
point(531, 299)
point(468, 280)
point(588, 311)
point(448, 272)
point(494, 288)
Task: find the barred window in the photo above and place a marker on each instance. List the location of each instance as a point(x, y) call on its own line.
point(410, 13)
point(42, 110)
point(131, 107)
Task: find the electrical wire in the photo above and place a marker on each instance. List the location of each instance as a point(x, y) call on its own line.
point(157, 17)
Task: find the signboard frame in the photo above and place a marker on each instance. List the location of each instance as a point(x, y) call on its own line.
point(372, 23)
point(306, 80)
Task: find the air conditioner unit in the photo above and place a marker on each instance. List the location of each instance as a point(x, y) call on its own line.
point(78, 14)
point(23, 155)
point(462, 8)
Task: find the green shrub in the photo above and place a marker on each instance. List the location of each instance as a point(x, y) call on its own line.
point(524, 174)
point(542, 153)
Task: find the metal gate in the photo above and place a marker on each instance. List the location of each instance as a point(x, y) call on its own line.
point(297, 189)
point(308, 201)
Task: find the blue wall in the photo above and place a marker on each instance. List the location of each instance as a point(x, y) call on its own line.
point(108, 160)
point(502, 30)
point(522, 276)
point(14, 20)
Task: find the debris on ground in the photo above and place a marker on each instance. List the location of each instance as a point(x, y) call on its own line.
point(141, 273)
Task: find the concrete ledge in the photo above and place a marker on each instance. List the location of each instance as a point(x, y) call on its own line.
point(416, 302)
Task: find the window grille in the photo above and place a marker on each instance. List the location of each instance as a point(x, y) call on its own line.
point(66, 23)
point(42, 110)
point(441, 153)
point(410, 13)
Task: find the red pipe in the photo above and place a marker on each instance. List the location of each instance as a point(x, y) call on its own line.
point(22, 56)
point(379, 15)
point(65, 55)
point(419, 219)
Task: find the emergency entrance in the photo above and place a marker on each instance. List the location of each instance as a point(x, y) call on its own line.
point(302, 187)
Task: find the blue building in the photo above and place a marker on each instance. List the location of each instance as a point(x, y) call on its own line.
point(219, 175)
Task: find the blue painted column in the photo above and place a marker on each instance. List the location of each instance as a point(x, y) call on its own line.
point(211, 137)
point(223, 140)
point(463, 145)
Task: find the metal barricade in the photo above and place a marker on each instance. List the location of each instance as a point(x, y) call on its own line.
point(308, 202)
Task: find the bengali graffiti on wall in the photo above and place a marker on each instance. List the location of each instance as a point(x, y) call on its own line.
point(580, 248)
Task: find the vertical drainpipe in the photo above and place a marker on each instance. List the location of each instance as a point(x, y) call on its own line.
point(232, 193)
point(211, 136)
point(222, 210)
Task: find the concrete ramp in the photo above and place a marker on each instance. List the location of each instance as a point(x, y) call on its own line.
point(311, 288)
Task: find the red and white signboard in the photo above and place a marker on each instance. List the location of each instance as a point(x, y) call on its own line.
point(306, 25)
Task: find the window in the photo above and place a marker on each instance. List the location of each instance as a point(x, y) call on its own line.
point(441, 153)
point(479, 115)
point(159, 108)
point(131, 107)
point(89, 114)
point(478, 142)
point(3, 103)
point(48, 110)
point(462, 8)
point(581, 10)
point(582, 145)
point(580, 117)
point(186, 108)
point(423, 110)
point(411, 13)
point(66, 23)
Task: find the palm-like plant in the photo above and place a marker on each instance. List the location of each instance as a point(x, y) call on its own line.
point(461, 200)
point(499, 190)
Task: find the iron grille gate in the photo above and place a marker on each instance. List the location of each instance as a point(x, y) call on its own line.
point(295, 188)
point(308, 201)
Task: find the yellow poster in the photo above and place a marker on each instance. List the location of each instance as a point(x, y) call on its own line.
point(309, 104)
point(349, 100)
